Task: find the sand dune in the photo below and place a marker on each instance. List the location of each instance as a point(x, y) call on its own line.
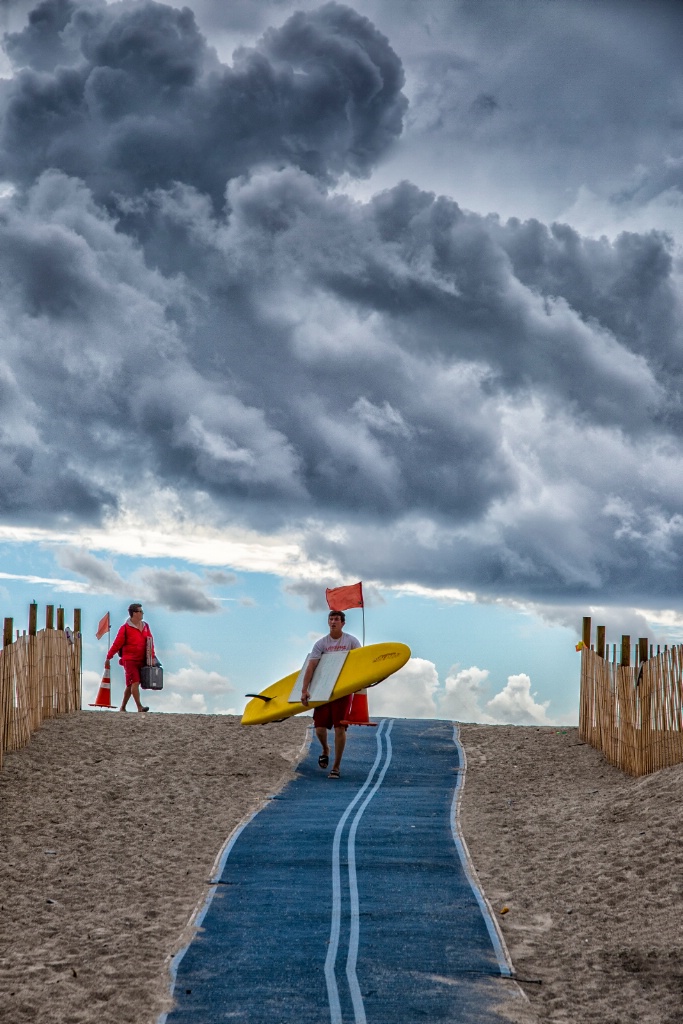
point(110, 825)
point(589, 861)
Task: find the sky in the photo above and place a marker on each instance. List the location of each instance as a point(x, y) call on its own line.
point(297, 294)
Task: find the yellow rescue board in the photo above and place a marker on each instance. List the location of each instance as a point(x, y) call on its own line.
point(366, 666)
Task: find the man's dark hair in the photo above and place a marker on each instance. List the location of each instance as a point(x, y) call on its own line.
point(340, 614)
point(135, 607)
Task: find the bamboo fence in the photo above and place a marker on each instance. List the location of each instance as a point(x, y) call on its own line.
point(40, 676)
point(632, 713)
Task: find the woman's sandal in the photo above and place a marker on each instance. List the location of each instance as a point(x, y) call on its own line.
point(323, 760)
point(334, 774)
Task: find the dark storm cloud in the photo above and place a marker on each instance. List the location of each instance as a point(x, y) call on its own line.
point(42, 44)
point(462, 401)
point(626, 286)
point(596, 85)
point(36, 483)
point(147, 103)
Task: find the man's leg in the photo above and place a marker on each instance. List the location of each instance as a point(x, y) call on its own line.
point(321, 733)
point(126, 698)
point(339, 744)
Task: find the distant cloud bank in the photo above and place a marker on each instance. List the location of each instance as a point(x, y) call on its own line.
point(415, 692)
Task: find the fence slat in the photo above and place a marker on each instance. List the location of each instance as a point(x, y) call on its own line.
point(40, 677)
point(634, 714)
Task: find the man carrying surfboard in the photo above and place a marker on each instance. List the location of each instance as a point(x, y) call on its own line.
point(330, 715)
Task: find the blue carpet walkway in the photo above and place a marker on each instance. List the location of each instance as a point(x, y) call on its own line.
point(350, 901)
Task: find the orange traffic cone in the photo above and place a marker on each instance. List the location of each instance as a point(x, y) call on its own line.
point(358, 712)
point(103, 698)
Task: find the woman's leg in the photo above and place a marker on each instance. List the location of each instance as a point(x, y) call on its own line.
point(132, 686)
point(135, 690)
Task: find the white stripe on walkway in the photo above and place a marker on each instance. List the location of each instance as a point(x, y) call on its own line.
point(356, 997)
point(333, 946)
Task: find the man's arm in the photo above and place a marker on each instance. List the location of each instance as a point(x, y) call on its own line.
point(119, 641)
point(310, 669)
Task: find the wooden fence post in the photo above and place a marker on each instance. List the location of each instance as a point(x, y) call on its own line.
point(7, 690)
point(60, 618)
point(33, 669)
point(78, 645)
point(643, 645)
point(625, 650)
point(49, 616)
point(600, 642)
point(586, 633)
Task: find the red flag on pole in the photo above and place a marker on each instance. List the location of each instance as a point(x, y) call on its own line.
point(341, 598)
point(103, 627)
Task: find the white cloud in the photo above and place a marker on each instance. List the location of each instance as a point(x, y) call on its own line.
point(189, 654)
point(165, 534)
point(515, 704)
point(194, 690)
point(71, 586)
point(461, 698)
point(409, 693)
point(91, 685)
point(415, 692)
point(181, 704)
point(193, 679)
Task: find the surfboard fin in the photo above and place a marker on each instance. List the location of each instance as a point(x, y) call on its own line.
point(259, 695)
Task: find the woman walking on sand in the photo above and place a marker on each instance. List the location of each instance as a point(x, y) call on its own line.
point(134, 644)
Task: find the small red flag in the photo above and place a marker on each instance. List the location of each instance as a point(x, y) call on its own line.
point(341, 598)
point(103, 627)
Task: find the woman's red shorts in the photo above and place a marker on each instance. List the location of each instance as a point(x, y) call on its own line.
point(328, 716)
point(132, 670)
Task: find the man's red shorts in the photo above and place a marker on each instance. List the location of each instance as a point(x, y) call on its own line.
point(132, 670)
point(328, 716)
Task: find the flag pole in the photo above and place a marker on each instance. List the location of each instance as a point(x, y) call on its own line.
point(362, 604)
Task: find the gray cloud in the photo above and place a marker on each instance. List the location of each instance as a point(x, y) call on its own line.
point(177, 591)
point(100, 574)
point(469, 401)
point(618, 621)
point(221, 579)
point(583, 97)
point(169, 588)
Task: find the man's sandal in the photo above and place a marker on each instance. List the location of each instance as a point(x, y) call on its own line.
point(323, 760)
point(334, 774)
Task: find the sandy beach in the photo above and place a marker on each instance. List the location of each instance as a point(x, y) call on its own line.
point(110, 825)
